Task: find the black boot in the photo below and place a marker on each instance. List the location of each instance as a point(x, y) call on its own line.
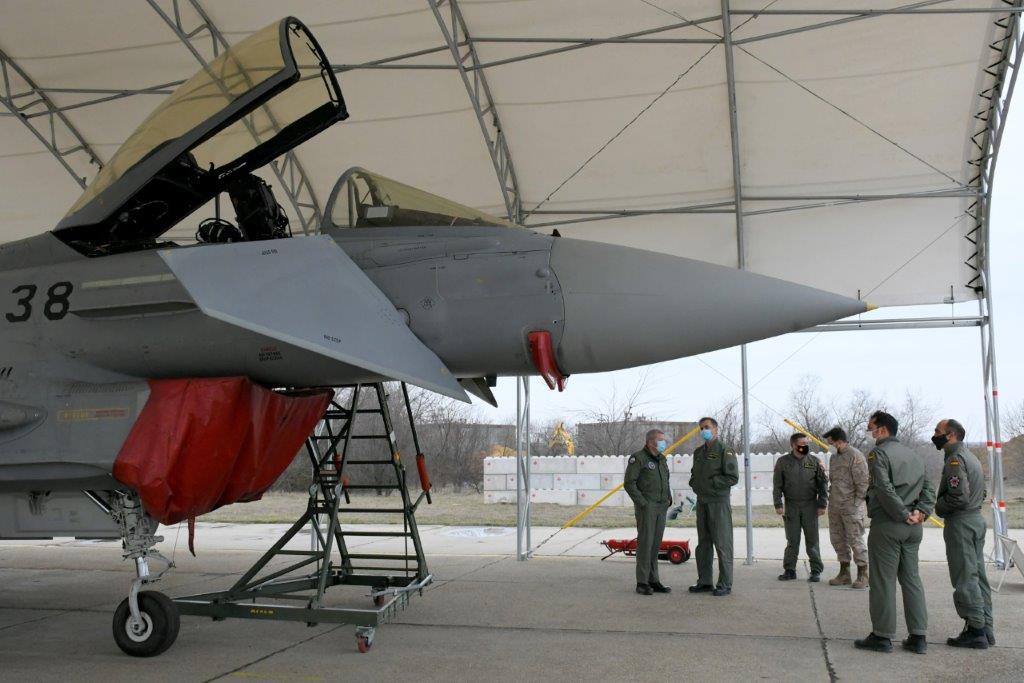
point(659, 588)
point(644, 589)
point(815, 577)
point(973, 638)
point(787, 575)
point(875, 643)
point(990, 634)
point(701, 588)
point(916, 644)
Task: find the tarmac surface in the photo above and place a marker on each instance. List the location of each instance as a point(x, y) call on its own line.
point(563, 614)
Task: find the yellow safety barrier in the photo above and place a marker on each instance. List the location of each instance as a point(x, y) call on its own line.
point(824, 445)
point(673, 446)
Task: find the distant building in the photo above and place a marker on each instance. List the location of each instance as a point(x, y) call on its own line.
point(626, 436)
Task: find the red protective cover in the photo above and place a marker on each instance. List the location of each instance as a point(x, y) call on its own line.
point(202, 443)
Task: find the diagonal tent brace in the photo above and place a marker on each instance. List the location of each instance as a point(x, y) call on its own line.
point(453, 27)
point(289, 172)
point(20, 95)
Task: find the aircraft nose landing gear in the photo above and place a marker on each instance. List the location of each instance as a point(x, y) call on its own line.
point(146, 623)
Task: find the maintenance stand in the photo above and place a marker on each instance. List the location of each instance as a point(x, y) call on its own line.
point(264, 593)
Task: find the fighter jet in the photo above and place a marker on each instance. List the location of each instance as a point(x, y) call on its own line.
point(108, 324)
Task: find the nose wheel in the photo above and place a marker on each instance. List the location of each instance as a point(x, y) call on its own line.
point(155, 629)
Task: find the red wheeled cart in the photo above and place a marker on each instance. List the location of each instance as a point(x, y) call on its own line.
point(675, 552)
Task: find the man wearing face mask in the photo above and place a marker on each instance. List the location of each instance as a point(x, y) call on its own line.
point(647, 483)
point(848, 484)
point(800, 480)
point(961, 494)
point(712, 477)
point(900, 497)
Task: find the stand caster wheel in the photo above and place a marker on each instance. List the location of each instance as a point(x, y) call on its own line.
point(156, 632)
point(364, 640)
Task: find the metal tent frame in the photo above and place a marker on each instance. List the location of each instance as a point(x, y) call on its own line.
point(51, 125)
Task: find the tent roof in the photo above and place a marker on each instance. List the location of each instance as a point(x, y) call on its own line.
point(863, 143)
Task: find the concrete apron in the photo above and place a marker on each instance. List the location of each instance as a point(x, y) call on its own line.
point(569, 615)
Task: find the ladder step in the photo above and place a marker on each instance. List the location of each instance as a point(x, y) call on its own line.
point(369, 462)
point(372, 436)
point(367, 487)
point(373, 534)
point(380, 556)
point(412, 568)
point(347, 509)
point(307, 553)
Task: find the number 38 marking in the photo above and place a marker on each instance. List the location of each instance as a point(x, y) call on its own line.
point(55, 308)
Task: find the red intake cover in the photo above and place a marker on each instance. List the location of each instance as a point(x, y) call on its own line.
point(200, 444)
point(542, 352)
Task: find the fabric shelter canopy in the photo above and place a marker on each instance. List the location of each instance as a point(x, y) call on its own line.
point(860, 152)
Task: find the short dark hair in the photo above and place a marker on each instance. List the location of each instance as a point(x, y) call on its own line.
point(884, 419)
point(956, 428)
point(796, 437)
point(708, 419)
point(836, 434)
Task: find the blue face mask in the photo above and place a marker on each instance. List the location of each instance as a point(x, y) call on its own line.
point(661, 445)
point(706, 434)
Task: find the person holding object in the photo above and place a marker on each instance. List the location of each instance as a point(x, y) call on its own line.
point(900, 497)
point(848, 484)
point(801, 482)
point(961, 494)
point(712, 477)
point(647, 483)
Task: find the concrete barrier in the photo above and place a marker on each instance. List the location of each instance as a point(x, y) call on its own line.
point(582, 480)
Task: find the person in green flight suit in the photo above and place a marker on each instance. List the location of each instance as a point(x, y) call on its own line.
point(900, 498)
point(647, 483)
point(961, 494)
point(800, 479)
point(713, 474)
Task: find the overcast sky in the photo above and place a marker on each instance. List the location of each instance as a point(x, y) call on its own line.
point(942, 366)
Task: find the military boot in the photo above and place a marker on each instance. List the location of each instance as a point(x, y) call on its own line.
point(974, 638)
point(787, 575)
point(917, 644)
point(873, 642)
point(862, 577)
point(843, 578)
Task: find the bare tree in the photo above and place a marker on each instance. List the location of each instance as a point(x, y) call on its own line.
point(1013, 422)
point(612, 426)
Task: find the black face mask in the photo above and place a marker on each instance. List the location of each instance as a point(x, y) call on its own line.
point(803, 450)
point(940, 441)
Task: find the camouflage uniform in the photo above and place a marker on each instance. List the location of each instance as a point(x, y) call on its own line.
point(848, 475)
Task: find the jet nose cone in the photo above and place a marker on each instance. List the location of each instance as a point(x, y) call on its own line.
point(626, 307)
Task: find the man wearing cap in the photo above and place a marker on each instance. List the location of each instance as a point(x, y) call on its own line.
point(647, 483)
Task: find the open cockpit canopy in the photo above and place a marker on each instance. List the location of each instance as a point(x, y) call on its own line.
point(256, 101)
point(362, 199)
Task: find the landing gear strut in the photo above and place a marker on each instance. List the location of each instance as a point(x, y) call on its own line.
point(146, 623)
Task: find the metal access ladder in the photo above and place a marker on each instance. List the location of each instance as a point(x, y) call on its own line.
point(283, 592)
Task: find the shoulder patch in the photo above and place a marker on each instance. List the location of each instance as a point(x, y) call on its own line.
point(871, 455)
point(651, 465)
point(954, 462)
point(954, 482)
point(632, 459)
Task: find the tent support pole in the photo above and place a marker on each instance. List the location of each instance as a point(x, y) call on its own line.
point(524, 546)
point(741, 262)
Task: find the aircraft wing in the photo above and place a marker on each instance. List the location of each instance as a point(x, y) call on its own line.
point(307, 292)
